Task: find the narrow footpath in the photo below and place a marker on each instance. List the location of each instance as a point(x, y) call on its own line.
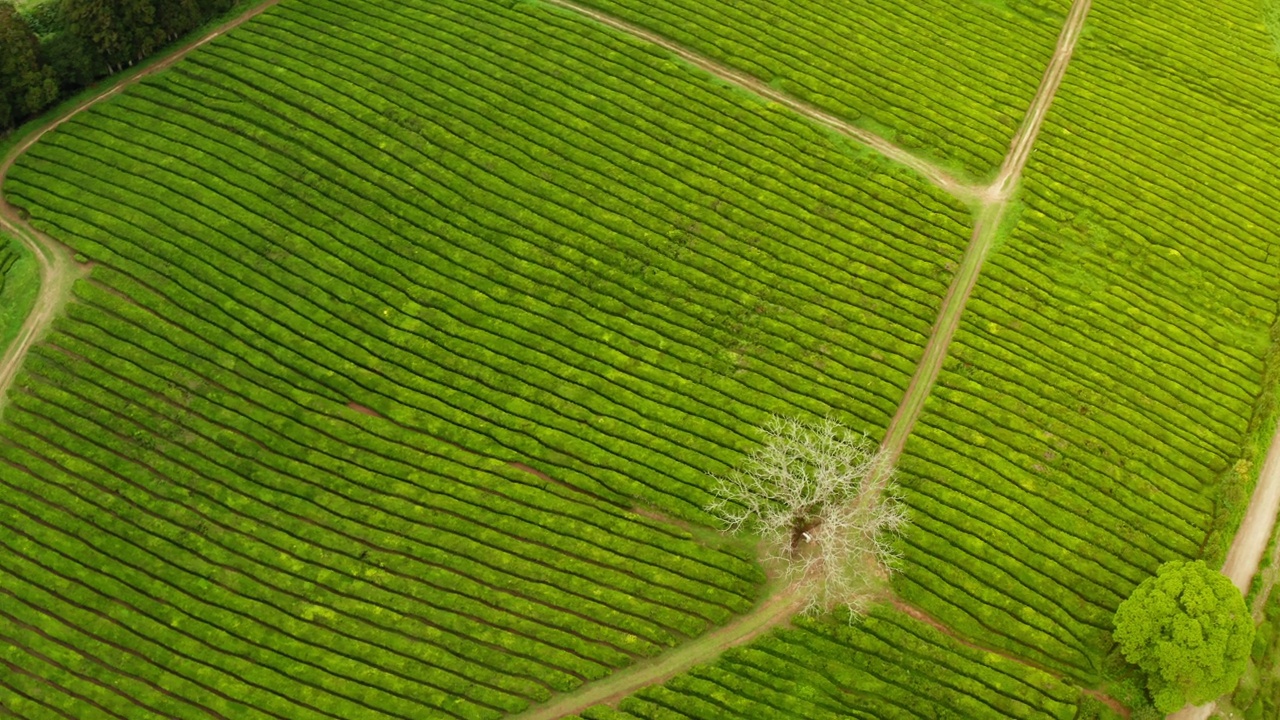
point(58, 272)
point(994, 206)
point(1254, 534)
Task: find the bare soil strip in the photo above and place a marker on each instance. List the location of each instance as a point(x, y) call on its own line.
point(58, 270)
point(934, 174)
point(775, 610)
point(931, 621)
point(985, 229)
point(1197, 712)
point(1020, 149)
point(995, 205)
point(1259, 521)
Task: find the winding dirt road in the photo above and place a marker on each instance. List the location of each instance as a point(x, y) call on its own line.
point(58, 270)
point(58, 273)
point(1254, 534)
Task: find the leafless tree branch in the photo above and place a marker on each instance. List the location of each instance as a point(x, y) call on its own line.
point(824, 502)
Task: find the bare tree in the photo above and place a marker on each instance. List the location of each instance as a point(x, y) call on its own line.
point(824, 502)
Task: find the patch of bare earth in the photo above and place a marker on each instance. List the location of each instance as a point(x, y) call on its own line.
point(363, 410)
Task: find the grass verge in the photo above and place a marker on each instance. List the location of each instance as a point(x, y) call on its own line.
point(18, 290)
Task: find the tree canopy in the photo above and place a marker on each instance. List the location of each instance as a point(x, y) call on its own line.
point(26, 84)
point(1188, 629)
point(823, 500)
point(55, 47)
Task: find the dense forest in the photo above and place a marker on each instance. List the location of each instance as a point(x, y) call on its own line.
point(53, 48)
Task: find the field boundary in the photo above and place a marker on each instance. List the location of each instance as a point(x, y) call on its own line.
point(916, 613)
point(936, 175)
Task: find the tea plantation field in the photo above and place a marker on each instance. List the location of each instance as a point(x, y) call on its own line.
point(491, 222)
point(9, 253)
point(496, 251)
point(1099, 411)
point(950, 80)
point(416, 330)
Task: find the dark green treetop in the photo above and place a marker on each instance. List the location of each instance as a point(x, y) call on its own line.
point(26, 85)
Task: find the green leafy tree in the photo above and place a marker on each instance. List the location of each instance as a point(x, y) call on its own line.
point(44, 18)
point(27, 86)
point(176, 17)
point(119, 31)
point(74, 63)
point(1188, 629)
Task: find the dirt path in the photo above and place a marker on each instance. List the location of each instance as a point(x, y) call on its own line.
point(1020, 149)
point(985, 230)
point(1199, 712)
point(1259, 520)
point(58, 270)
point(775, 610)
point(934, 174)
point(995, 206)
